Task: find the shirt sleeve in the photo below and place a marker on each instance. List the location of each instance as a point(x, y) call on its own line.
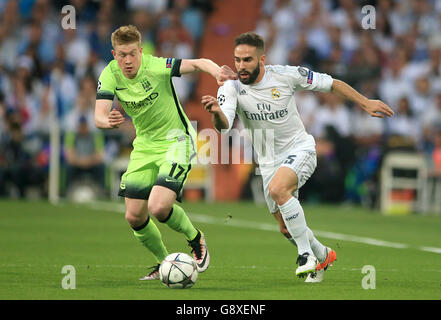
point(176, 69)
point(227, 99)
point(106, 85)
point(167, 67)
point(303, 78)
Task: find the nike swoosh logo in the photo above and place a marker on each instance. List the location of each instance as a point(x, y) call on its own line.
point(200, 265)
point(120, 88)
point(169, 180)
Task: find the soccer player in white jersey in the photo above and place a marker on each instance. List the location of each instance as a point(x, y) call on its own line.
point(264, 99)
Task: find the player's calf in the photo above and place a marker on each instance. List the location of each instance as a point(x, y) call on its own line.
point(285, 232)
point(282, 226)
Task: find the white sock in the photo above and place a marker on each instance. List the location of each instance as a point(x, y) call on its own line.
point(318, 248)
point(294, 218)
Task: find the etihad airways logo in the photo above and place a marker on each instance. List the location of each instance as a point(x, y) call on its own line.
point(135, 106)
point(264, 113)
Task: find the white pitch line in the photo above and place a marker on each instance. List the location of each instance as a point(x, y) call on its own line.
point(371, 241)
point(202, 218)
point(430, 249)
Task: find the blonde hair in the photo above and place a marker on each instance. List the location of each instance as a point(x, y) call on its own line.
point(126, 35)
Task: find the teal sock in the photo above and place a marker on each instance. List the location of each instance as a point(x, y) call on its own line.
point(179, 221)
point(150, 237)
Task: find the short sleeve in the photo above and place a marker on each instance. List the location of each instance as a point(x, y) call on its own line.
point(227, 99)
point(106, 85)
point(303, 78)
point(168, 67)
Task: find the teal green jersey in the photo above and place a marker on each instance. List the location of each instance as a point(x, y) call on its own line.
point(149, 99)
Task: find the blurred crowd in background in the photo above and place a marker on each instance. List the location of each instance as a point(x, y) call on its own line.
point(44, 67)
point(398, 62)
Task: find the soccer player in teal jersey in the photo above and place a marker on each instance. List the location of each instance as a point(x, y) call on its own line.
point(165, 144)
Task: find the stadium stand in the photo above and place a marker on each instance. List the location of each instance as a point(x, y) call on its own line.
point(44, 69)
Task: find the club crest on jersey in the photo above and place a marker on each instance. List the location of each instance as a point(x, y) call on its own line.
point(275, 93)
point(168, 62)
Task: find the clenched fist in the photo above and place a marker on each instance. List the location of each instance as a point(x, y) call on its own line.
point(115, 118)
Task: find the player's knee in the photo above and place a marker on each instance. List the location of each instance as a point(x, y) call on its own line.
point(134, 219)
point(159, 210)
point(279, 193)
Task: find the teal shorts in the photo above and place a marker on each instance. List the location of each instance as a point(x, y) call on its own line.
point(164, 163)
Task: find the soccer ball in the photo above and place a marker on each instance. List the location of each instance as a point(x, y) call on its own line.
point(178, 271)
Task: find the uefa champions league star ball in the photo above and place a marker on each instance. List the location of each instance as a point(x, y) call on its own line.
point(178, 271)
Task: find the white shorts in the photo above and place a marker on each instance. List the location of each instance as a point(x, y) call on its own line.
point(302, 162)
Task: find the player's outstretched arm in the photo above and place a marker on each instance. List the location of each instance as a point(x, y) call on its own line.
point(106, 119)
point(221, 74)
point(218, 118)
point(376, 108)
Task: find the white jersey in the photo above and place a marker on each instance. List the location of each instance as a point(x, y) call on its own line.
point(268, 109)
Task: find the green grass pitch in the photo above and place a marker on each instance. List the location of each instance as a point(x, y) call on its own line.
point(250, 259)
